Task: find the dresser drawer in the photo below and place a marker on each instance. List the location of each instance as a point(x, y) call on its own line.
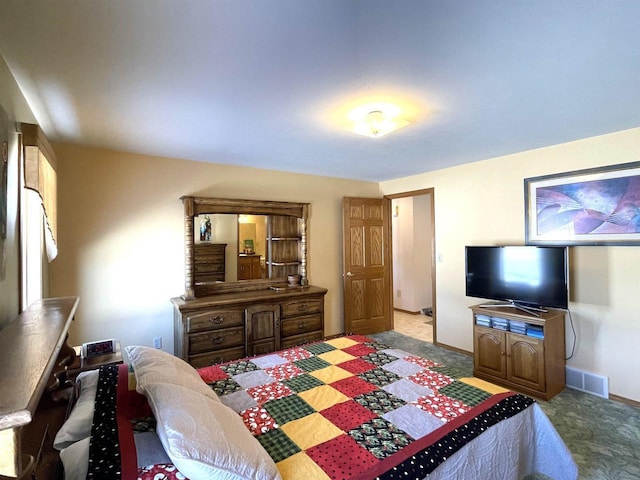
point(305, 306)
point(219, 356)
point(295, 340)
point(214, 319)
point(298, 325)
point(216, 340)
point(208, 267)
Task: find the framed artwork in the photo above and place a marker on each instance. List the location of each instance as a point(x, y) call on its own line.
point(597, 206)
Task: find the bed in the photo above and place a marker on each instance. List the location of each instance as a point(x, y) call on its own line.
point(349, 408)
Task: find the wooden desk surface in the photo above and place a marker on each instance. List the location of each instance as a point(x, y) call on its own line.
point(29, 347)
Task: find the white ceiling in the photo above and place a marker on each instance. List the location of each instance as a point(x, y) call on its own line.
point(266, 83)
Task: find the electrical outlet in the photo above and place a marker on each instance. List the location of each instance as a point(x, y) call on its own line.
point(157, 342)
point(399, 293)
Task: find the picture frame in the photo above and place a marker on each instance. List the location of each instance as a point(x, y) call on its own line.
point(595, 206)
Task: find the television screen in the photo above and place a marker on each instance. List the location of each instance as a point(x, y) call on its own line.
point(526, 275)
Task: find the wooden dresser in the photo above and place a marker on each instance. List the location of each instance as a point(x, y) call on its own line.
point(233, 325)
point(209, 262)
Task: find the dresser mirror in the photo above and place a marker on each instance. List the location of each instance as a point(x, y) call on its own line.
point(242, 245)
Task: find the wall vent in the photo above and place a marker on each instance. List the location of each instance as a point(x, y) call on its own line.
point(588, 382)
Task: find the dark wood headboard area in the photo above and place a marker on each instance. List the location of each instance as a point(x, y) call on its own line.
point(29, 349)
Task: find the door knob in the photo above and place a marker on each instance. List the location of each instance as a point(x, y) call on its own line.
point(349, 274)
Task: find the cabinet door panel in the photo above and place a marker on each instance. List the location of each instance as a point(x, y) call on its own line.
point(489, 351)
point(262, 324)
point(525, 363)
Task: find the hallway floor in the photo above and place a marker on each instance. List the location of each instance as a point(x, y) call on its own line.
point(413, 325)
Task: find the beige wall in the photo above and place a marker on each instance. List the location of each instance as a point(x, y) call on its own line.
point(483, 203)
point(121, 235)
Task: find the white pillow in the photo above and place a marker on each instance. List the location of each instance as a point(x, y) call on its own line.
point(78, 424)
point(206, 439)
point(151, 366)
point(75, 459)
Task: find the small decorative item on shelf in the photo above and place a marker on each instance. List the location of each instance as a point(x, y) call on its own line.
point(293, 280)
point(248, 247)
point(205, 229)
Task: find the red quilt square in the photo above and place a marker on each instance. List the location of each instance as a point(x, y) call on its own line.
point(359, 350)
point(341, 457)
point(443, 407)
point(258, 420)
point(284, 371)
point(353, 386)
point(348, 415)
point(212, 374)
point(433, 380)
point(361, 338)
point(271, 391)
point(296, 353)
point(357, 366)
point(423, 362)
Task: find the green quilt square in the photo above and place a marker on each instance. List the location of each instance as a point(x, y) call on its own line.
point(380, 437)
point(311, 364)
point(241, 366)
point(302, 383)
point(318, 348)
point(380, 401)
point(379, 358)
point(286, 409)
point(379, 377)
point(469, 394)
point(452, 372)
point(376, 345)
point(278, 445)
point(225, 386)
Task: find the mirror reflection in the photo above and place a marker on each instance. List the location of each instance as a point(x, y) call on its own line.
point(235, 246)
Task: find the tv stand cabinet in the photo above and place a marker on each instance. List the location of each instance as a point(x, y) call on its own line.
point(534, 366)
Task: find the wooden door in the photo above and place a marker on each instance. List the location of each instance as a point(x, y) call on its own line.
point(367, 265)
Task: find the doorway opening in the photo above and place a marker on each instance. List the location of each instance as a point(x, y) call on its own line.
point(413, 252)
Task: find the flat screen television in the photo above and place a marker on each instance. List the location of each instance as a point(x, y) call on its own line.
point(523, 276)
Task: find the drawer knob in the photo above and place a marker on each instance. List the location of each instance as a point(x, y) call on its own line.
point(302, 307)
point(302, 325)
point(218, 340)
point(217, 320)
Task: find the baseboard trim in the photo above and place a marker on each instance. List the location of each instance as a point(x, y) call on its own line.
point(406, 311)
point(628, 401)
point(453, 349)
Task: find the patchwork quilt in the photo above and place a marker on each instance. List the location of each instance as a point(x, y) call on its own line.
point(346, 408)
point(353, 408)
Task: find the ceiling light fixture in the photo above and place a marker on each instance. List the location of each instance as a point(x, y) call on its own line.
point(376, 123)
